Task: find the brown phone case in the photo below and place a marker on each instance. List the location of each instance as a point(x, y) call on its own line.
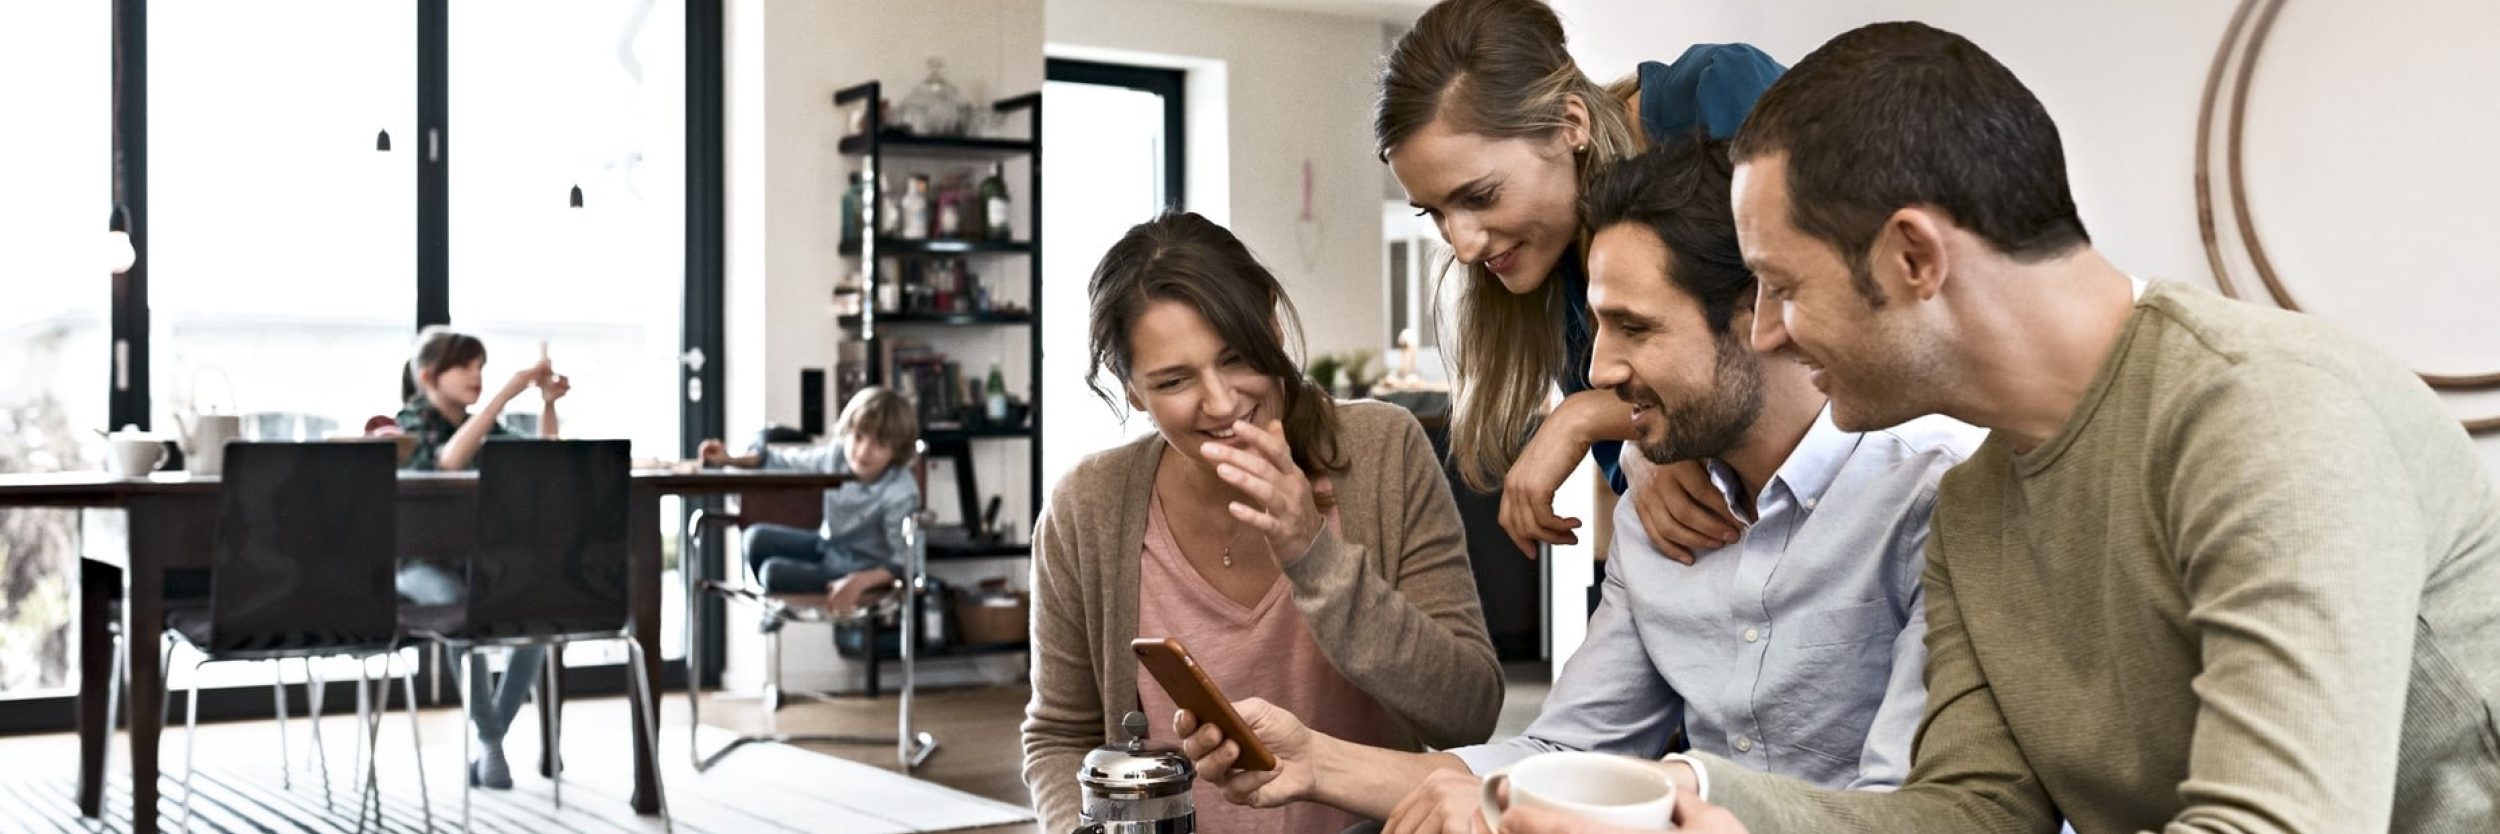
point(1192, 690)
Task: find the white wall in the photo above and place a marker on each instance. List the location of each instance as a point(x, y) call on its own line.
point(1299, 87)
point(2349, 103)
point(786, 179)
point(786, 183)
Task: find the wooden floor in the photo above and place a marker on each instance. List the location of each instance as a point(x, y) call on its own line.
point(979, 751)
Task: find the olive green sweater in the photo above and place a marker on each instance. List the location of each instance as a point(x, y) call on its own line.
point(1387, 592)
point(2252, 585)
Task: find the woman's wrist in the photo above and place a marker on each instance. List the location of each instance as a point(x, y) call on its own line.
point(1590, 416)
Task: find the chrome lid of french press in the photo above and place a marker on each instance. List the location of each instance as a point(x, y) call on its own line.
point(1137, 770)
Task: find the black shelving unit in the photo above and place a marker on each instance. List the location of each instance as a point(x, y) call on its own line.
point(874, 253)
point(942, 248)
point(858, 322)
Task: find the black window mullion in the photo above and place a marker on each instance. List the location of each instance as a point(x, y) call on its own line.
point(431, 147)
point(701, 417)
point(126, 381)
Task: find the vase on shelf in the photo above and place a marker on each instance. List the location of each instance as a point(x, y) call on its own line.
point(936, 108)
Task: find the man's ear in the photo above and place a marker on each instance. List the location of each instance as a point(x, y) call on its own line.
point(1915, 240)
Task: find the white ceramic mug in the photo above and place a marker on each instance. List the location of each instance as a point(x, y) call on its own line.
point(1609, 789)
point(136, 457)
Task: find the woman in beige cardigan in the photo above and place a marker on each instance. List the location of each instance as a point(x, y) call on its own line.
point(1255, 489)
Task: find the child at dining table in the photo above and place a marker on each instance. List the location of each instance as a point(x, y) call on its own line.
point(859, 546)
point(442, 382)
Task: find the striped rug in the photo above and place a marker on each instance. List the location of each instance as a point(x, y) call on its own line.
point(770, 789)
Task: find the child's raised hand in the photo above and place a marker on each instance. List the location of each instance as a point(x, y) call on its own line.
point(526, 377)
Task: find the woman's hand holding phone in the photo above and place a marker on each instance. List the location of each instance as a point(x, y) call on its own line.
point(1293, 745)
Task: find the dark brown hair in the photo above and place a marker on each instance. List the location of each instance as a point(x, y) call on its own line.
point(439, 348)
point(1187, 258)
point(1679, 192)
point(886, 418)
point(1893, 115)
point(1499, 69)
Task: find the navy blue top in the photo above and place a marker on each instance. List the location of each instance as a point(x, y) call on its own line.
point(1709, 89)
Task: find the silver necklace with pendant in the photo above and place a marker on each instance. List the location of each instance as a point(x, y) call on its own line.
point(1229, 542)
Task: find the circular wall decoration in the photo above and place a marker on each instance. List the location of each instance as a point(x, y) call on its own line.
point(2244, 38)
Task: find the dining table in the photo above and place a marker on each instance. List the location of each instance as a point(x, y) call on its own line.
point(172, 518)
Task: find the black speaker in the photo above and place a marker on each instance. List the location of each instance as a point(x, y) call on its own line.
point(812, 401)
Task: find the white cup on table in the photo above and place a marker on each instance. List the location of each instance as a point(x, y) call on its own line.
point(134, 456)
point(1610, 789)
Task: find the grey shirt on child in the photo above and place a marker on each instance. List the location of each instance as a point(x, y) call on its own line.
point(862, 518)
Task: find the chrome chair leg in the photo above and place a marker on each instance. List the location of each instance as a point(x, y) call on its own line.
point(315, 688)
point(113, 694)
point(369, 739)
point(190, 745)
point(468, 718)
point(650, 727)
point(165, 669)
point(555, 720)
point(694, 658)
point(364, 716)
point(277, 698)
point(416, 742)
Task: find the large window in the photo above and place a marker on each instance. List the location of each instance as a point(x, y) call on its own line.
point(54, 323)
point(293, 244)
point(547, 98)
point(281, 260)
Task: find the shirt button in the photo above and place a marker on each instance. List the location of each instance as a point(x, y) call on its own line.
point(1744, 745)
point(1810, 503)
point(1753, 635)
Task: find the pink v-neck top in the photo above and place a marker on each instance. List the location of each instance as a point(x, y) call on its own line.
point(1262, 651)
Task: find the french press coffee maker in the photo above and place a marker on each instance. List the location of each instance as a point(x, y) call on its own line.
point(1139, 787)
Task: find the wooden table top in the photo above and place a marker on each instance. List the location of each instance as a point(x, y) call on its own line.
point(75, 489)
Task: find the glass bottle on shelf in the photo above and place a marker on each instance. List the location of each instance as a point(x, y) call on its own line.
point(852, 197)
point(995, 408)
point(997, 222)
point(914, 206)
point(889, 208)
point(950, 210)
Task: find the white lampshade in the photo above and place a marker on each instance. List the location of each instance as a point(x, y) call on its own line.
point(118, 253)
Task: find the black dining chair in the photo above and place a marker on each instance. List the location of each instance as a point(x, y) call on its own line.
point(300, 569)
point(549, 568)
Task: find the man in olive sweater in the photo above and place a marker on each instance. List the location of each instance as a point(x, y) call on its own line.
point(2218, 568)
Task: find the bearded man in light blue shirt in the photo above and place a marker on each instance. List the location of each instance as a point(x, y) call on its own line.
point(1796, 650)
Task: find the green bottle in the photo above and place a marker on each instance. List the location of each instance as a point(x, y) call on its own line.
point(994, 203)
point(996, 408)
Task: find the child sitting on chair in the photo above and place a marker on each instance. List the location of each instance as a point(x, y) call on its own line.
point(859, 547)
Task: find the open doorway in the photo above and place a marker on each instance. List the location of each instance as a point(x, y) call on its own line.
point(1116, 139)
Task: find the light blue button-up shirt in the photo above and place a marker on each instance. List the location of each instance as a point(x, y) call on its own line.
point(1796, 650)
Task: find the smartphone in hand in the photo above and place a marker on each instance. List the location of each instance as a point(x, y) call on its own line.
point(1189, 686)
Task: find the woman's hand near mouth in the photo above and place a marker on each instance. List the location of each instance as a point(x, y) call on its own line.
point(1260, 463)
